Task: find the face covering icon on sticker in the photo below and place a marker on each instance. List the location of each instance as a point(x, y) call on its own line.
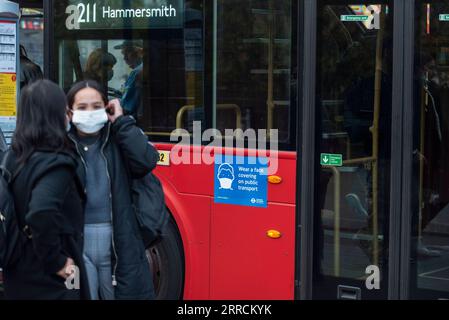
point(225, 176)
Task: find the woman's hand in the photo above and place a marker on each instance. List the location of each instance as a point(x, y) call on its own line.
point(67, 270)
point(114, 110)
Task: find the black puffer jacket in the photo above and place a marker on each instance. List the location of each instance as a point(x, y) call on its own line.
point(49, 199)
point(128, 155)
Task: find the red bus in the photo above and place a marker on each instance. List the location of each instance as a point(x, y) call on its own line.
point(352, 97)
point(199, 258)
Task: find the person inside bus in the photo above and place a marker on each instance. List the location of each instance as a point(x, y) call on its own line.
point(48, 201)
point(29, 71)
point(100, 68)
point(133, 53)
point(113, 151)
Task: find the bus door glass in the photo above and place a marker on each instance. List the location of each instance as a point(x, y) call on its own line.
point(430, 223)
point(354, 87)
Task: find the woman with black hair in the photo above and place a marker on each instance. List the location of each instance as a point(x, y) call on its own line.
point(48, 201)
point(113, 151)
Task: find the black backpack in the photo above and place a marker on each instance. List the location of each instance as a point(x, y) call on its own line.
point(149, 204)
point(11, 238)
point(3, 145)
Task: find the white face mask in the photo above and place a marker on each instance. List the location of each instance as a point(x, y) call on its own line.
point(90, 121)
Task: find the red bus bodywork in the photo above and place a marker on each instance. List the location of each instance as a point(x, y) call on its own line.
point(228, 254)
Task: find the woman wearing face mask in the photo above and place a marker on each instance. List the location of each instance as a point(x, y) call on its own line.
point(114, 151)
point(48, 199)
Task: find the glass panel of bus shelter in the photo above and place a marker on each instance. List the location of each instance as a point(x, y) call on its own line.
point(354, 87)
point(254, 66)
point(430, 223)
point(154, 68)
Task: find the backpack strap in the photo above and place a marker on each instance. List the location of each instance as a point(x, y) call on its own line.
point(10, 175)
point(7, 173)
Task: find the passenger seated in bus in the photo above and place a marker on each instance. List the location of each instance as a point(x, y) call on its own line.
point(132, 51)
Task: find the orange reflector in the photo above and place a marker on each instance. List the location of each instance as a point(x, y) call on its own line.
point(273, 234)
point(274, 179)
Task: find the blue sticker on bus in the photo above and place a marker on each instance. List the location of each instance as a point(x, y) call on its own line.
point(241, 180)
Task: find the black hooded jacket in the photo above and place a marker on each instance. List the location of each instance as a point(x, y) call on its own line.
point(49, 200)
point(128, 155)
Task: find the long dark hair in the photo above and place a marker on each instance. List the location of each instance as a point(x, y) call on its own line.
point(41, 120)
point(77, 87)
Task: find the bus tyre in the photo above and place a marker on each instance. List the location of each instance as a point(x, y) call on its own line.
point(166, 259)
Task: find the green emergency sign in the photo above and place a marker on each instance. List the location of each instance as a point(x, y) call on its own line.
point(329, 159)
point(353, 17)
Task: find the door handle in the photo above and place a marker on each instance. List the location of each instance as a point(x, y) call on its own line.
point(349, 293)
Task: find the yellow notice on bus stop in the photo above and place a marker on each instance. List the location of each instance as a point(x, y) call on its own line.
point(8, 87)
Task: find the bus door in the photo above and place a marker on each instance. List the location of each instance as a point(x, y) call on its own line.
point(353, 102)
point(429, 238)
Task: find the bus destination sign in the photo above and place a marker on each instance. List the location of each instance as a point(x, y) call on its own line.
point(118, 14)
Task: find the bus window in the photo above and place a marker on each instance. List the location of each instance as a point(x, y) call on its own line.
point(155, 70)
point(354, 94)
point(158, 73)
point(254, 66)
